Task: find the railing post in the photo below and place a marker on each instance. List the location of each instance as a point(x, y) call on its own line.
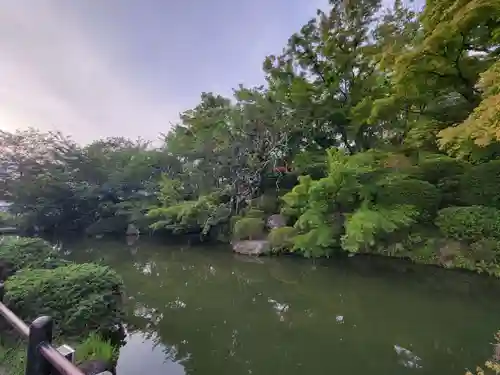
point(40, 332)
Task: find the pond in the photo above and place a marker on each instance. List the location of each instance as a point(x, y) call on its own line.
point(204, 310)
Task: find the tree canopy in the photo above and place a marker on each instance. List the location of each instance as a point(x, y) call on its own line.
point(375, 126)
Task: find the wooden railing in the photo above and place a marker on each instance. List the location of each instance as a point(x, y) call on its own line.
point(41, 357)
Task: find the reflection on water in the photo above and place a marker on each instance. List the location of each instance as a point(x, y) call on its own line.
point(207, 311)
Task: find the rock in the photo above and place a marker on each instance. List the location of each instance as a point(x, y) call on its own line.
point(276, 221)
point(132, 230)
point(251, 247)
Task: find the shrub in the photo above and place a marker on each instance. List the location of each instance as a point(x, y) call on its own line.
point(424, 196)
point(255, 213)
point(24, 252)
point(368, 225)
point(94, 347)
point(266, 203)
point(80, 297)
point(13, 358)
point(281, 239)
point(435, 169)
point(479, 185)
point(470, 224)
point(248, 228)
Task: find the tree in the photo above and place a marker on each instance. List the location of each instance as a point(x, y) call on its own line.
point(438, 75)
point(329, 77)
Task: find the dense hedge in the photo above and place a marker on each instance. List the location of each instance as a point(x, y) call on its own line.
point(80, 297)
point(436, 169)
point(480, 185)
point(21, 252)
point(420, 194)
point(471, 223)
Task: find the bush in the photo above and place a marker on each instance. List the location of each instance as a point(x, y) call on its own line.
point(13, 358)
point(255, 213)
point(248, 228)
point(281, 239)
point(424, 196)
point(437, 168)
point(479, 185)
point(266, 203)
point(94, 347)
point(24, 252)
point(470, 224)
point(79, 297)
point(369, 225)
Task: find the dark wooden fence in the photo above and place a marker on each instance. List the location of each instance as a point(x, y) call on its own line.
point(41, 357)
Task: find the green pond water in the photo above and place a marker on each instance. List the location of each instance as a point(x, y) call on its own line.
point(203, 310)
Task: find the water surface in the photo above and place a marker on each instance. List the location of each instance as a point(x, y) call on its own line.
point(205, 311)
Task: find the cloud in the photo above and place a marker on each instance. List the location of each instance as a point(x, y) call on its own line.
point(53, 75)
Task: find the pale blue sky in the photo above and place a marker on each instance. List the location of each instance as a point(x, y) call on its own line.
point(97, 68)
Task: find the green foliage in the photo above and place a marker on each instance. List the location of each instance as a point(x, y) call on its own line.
point(282, 239)
point(369, 224)
point(191, 216)
point(80, 298)
point(248, 229)
point(296, 200)
point(94, 347)
point(255, 213)
point(266, 202)
point(435, 169)
point(472, 223)
point(24, 252)
point(310, 163)
point(13, 358)
point(422, 195)
point(479, 185)
point(317, 242)
point(356, 107)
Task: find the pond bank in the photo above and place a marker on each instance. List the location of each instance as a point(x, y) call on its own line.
point(207, 310)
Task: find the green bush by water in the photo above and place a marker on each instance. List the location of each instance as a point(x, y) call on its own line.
point(471, 223)
point(94, 347)
point(79, 297)
point(281, 239)
point(248, 228)
point(24, 252)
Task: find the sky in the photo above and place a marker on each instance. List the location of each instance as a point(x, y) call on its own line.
point(99, 68)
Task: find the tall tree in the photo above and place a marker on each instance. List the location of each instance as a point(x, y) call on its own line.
point(438, 76)
point(329, 76)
